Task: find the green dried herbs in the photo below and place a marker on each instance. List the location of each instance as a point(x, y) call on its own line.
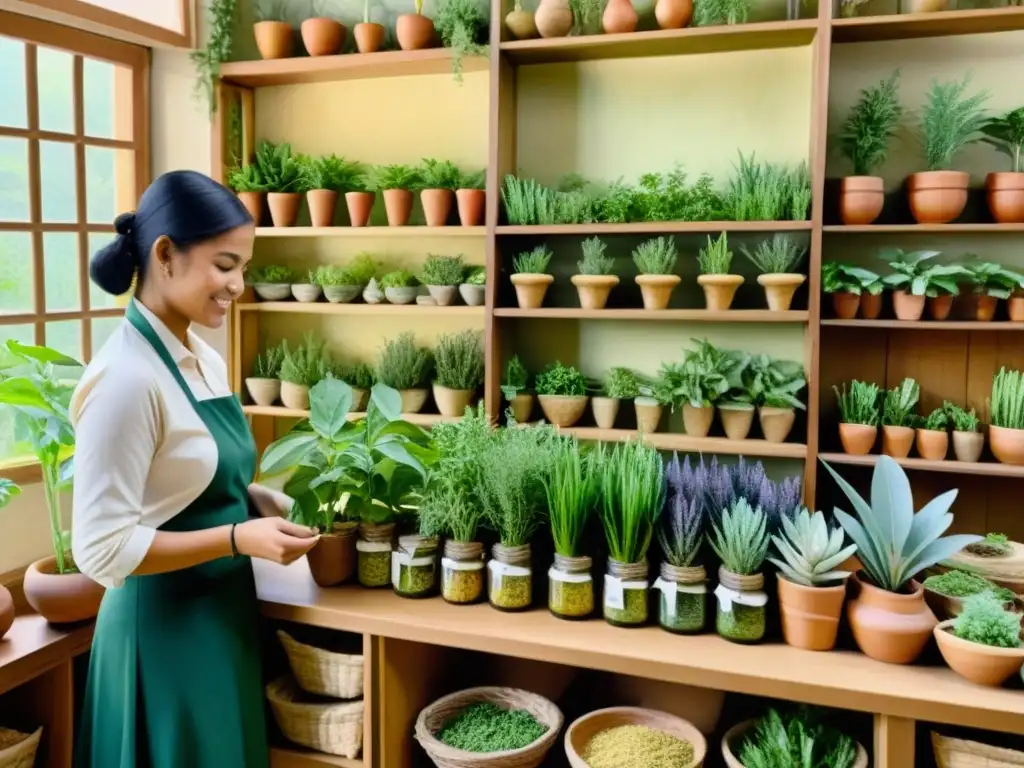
point(571, 599)
point(963, 584)
point(690, 613)
point(462, 586)
point(743, 624)
point(415, 580)
point(510, 593)
point(637, 746)
point(486, 727)
point(633, 611)
point(374, 568)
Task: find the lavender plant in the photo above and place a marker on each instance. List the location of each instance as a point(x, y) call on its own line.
point(681, 531)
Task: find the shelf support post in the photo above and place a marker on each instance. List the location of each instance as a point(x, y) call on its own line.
point(894, 741)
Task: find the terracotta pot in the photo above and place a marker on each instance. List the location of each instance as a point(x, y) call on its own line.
point(522, 407)
point(562, 410)
point(888, 626)
point(870, 305)
point(907, 306)
point(967, 446)
point(521, 24)
point(736, 420)
point(359, 205)
point(939, 307)
point(473, 295)
point(697, 421)
point(673, 14)
point(656, 290)
point(776, 423)
point(253, 202)
point(845, 305)
point(648, 416)
point(932, 444)
point(594, 289)
point(810, 615)
point(937, 197)
point(857, 439)
point(719, 290)
point(470, 203)
point(530, 288)
point(398, 206)
point(437, 204)
point(1005, 195)
point(734, 737)
point(414, 32)
point(6, 611)
point(981, 664)
point(619, 17)
point(1007, 445)
point(322, 37)
point(274, 39)
point(306, 292)
point(321, 203)
point(779, 288)
point(553, 18)
point(452, 402)
point(413, 400)
point(263, 391)
point(605, 409)
point(983, 307)
point(61, 598)
point(861, 199)
point(284, 208)
point(443, 295)
point(897, 441)
point(332, 560)
point(1015, 307)
point(294, 396)
point(369, 36)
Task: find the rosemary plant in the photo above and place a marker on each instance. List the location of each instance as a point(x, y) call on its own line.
point(459, 360)
point(594, 261)
point(656, 256)
point(871, 125)
point(533, 262)
point(716, 258)
point(950, 121)
point(779, 255)
point(572, 490)
point(307, 364)
point(268, 362)
point(1006, 134)
point(403, 364)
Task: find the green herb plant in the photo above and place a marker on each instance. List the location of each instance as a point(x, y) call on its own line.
point(278, 167)
point(473, 179)
point(272, 274)
point(900, 404)
point(761, 191)
point(356, 375)
point(936, 421)
point(984, 620)
point(268, 362)
point(381, 178)
point(861, 404)
point(529, 202)
point(247, 178)
point(307, 364)
point(740, 538)
point(915, 274)
point(561, 380)
point(713, 13)
point(462, 25)
point(572, 490)
point(486, 727)
point(632, 497)
point(440, 174)
point(871, 126)
point(991, 279)
point(780, 255)
point(517, 378)
point(657, 256)
point(403, 364)
point(795, 741)
point(220, 38)
point(716, 258)
point(846, 278)
point(950, 121)
point(703, 378)
point(330, 172)
point(533, 262)
point(443, 270)
point(459, 360)
point(476, 276)
point(400, 278)
point(622, 384)
point(1007, 401)
point(1006, 134)
point(594, 261)
point(957, 583)
point(809, 551)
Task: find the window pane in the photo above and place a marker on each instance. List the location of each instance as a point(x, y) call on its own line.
point(16, 284)
point(14, 105)
point(56, 90)
point(13, 179)
point(102, 327)
point(98, 298)
point(109, 183)
point(10, 447)
point(65, 336)
point(57, 168)
point(98, 88)
point(60, 270)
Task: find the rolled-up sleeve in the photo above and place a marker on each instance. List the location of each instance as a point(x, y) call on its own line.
point(117, 426)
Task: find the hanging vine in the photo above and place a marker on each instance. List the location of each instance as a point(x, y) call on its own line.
point(219, 41)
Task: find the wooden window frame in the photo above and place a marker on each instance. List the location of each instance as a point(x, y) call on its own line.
point(105, 21)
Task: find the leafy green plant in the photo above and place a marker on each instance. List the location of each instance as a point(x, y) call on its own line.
point(716, 258)
point(356, 375)
point(561, 380)
point(220, 38)
point(443, 270)
point(516, 378)
point(936, 421)
point(871, 125)
point(779, 255)
point(703, 378)
point(473, 180)
point(1007, 402)
point(711, 13)
point(247, 178)
point(400, 278)
point(529, 202)
point(8, 490)
point(403, 364)
point(270, 10)
point(272, 274)
point(279, 169)
point(332, 275)
point(664, 196)
point(632, 497)
point(362, 268)
point(740, 538)
point(268, 362)
point(761, 191)
point(963, 420)
point(459, 360)
point(809, 550)
point(985, 621)
point(331, 173)
point(795, 741)
point(957, 583)
point(586, 16)
point(622, 384)
point(305, 365)
point(769, 382)
point(950, 121)
point(993, 279)
point(440, 174)
point(900, 404)
point(381, 178)
point(594, 261)
point(914, 273)
point(572, 492)
point(463, 27)
point(477, 276)
point(860, 405)
point(657, 256)
point(1006, 134)
point(533, 262)
point(846, 278)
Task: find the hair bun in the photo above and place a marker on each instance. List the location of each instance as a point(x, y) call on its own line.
point(113, 267)
point(125, 223)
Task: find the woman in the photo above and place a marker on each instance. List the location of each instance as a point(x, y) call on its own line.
point(164, 461)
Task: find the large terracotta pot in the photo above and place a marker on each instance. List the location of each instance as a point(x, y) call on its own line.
point(322, 37)
point(332, 560)
point(321, 203)
point(888, 626)
point(845, 305)
point(553, 18)
point(1005, 195)
point(810, 615)
point(897, 441)
point(398, 206)
point(1007, 445)
point(932, 444)
point(697, 421)
point(907, 306)
point(594, 290)
point(1015, 306)
point(437, 204)
point(779, 289)
point(939, 307)
point(937, 197)
point(719, 290)
point(274, 39)
point(563, 410)
point(369, 36)
point(736, 420)
point(414, 31)
point(605, 409)
point(981, 664)
point(673, 14)
point(61, 598)
point(861, 199)
point(857, 439)
point(6, 611)
point(531, 288)
point(470, 203)
point(284, 208)
point(870, 305)
point(776, 423)
point(452, 402)
point(967, 446)
point(619, 16)
point(253, 202)
point(656, 290)
point(359, 205)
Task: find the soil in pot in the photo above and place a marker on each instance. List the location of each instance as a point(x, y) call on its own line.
point(322, 204)
point(274, 39)
point(656, 290)
point(979, 663)
point(897, 441)
point(719, 290)
point(810, 615)
point(619, 17)
point(907, 306)
point(437, 204)
point(369, 36)
point(857, 439)
point(1007, 445)
point(359, 205)
point(779, 289)
point(967, 446)
point(332, 560)
point(284, 208)
point(937, 197)
point(452, 402)
point(776, 423)
point(322, 36)
point(736, 420)
point(845, 305)
point(563, 410)
point(932, 444)
point(531, 288)
point(414, 32)
point(306, 292)
point(606, 409)
point(861, 199)
point(61, 598)
point(870, 305)
point(398, 205)
point(983, 307)
point(1005, 195)
point(253, 202)
point(697, 421)
point(887, 626)
point(522, 407)
point(413, 400)
point(553, 18)
point(673, 14)
point(473, 295)
point(648, 414)
point(470, 203)
point(263, 391)
point(594, 290)
point(939, 307)
point(444, 295)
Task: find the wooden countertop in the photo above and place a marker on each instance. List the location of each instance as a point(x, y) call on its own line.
point(843, 679)
point(33, 647)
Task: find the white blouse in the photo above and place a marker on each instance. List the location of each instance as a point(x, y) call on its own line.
point(142, 454)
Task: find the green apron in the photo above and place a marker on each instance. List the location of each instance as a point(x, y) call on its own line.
point(174, 675)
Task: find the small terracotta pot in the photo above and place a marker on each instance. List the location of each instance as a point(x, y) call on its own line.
point(414, 32)
point(413, 400)
point(321, 203)
point(294, 396)
point(359, 205)
point(932, 444)
point(521, 24)
point(656, 290)
point(673, 14)
point(1015, 306)
point(563, 410)
point(981, 664)
point(6, 611)
point(648, 415)
point(897, 441)
point(719, 290)
point(332, 560)
point(369, 36)
point(553, 18)
point(619, 17)
point(61, 598)
point(937, 197)
point(437, 204)
point(967, 446)
point(697, 421)
point(861, 199)
point(939, 307)
point(398, 206)
point(253, 202)
point(810, 615)
point(263, 391)
point(736, 420)
point(983, 307)
point(452, 402)
point(322, 37)
point(284, 208)
point(522, 407)
point(887, 626)
point(776, 423)
point(1007, 445)
point(274, 39)
point(857, 439)
point(870, 305)
point(1005, 195)
point(907, 306)
point(845, 305)
point(779, 289)
point(594, 289)
point(470, 203)
point(530, 288)
point(605, 409)
point(444, 295)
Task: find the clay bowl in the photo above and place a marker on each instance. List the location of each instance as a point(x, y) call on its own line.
point(981, 664)
point(733, 735)
point(585, 728)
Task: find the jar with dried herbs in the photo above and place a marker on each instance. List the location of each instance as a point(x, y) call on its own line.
point(462, 572)
point(625, 593)
point(683, 601)
point(510, 578)
point(414, 566)
point(742, 605)
point(373, 554)
point(571, 587)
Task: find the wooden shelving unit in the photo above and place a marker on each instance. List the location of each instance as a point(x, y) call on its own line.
point(925, 229)
point(371, 310)
point(912, 25)
point(995, 326)
point(652, 228)
point(280, 412)
point(371, 232)
point(982, 468)
point(666, 315)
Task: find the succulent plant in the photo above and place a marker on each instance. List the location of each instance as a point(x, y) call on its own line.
point(809, 550)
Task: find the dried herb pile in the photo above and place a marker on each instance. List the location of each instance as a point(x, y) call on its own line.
point(637, 746)
point(486, 727)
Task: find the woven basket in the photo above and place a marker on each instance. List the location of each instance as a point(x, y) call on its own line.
point(325, 673)
point(20, 754)
point(959, 753)
point(444, 709)
point(334, 728)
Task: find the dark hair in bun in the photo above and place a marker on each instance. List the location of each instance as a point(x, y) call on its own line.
point(186, 206)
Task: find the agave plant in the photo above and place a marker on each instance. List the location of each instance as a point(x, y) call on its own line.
point(893, 542)
point(810, 550)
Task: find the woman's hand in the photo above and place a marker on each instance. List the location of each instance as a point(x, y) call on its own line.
point(270, 503)
point(274, 539)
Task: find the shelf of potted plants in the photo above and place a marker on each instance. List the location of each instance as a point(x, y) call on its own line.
point(283, 412)
point(668, 441)
point(676, 315)
point(907, 26)
point(326, 308)
point(412, 231)
point(651, 228)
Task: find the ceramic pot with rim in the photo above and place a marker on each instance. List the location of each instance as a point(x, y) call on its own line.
point(937, 197)
point(522, 407)
point(553, 18)
point(648, 414)
point(274, 39)
point(737, 419)
point(719, 290)
point(369, 36)
point(6, 611)
point(437, 204)
point(332, 560)
point(1015, 306)
point(967, 446)
point(619, 17)
point(897, 441)
point(470, 204)
point(857, 439)
point(889, 627)
point(594, 290)
point(253, 202)
point(940, 306)
point(861, 199)
point(1007, 445)
point(322, 36)
point(776, 423)
point(845, 304)
point(341, 294)
point(673, 14)
point(734, 737)
point(606, 410)
point(473, 295)
point(907, 306)
point(413, 400)
point(779, 289)
point(932, 444)
point(563, 410)
point(444, 295)
point(983, 307)
point(452, 402)
point(810, 615)
point(531, 288)
point(322, 204)
point(284, 208)
point(697, 421)
point(979, 663)
point(61, 598)
point(414, 32)
point(263, 391)
point(870, 305)
point(656, 290)
point(359, 205)
point(295, 396)
point(398, 206)
point(1005, 195)
point(306, 293)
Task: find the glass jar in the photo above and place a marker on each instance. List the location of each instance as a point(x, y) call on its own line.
point(510, 578)
point(462, 572)
point(571, 587)
point(414, 566)
point(625, 593)
point(741, 606)
point(373, 554)
point(683, 602)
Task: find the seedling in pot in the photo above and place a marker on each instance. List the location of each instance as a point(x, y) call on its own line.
point(714, 262)
point(514, 386)
point(458, 370)
point(776, 260)
point(860, 413)
point(596, 277)
point(656, 259)
point(530, 276)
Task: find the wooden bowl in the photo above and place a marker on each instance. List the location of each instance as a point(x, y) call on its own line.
point(733, 735)
point(585, 728)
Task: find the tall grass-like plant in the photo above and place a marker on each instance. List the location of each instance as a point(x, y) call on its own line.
point(403, 364)
point(307, 364)
point(530, 202)
point(268, 362)
point(795, 741)
point(779, 255)
point(871, 125)
point(572, 490)
point(657, 256)
point(860, 405)
point(533, 262)
point(632, 497)
point(594, 261)
point(712, 13)
point(762, 191)
point(950, 121)
point(1007, 404)
point(716, 258)
point(459, 360)
point(740, 538)
point(900, 404)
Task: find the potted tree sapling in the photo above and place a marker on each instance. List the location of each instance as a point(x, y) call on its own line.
point(968, 440)
point(396, 184)
point(699, 383)
point(281, 173)
point(776, 259)
point(898, 418)
point(324, 178)
point(683, 581)
point(458, 371)
point(655, 259)
point(859, 414)
point(990, 282)
point(272, 282)
point(932, 437)
point(913, 276)
point(264, 386)
point(740, 538)
point(531, 278)
point(369, 34)
point(463, 27)
point(438, 181)
point(514, 388)
point(414, 30)
point(649, 403)
point(309, 290)
point(302, 368)
point(406, 367)
point(443, 275)
point(400, 286)
point(360, 198)
point(1006, 431)
point(248, 183)
point(321, 34)
point(714, 262)
point(811, 589)
point(470, 197)
point(1005, 189)
point(983, 643)
point(596, 276)
point(620, 384)
point(850, 288)
point(562, 392)
point(275, 38)
point(360, 377)
point(869, 128)
point(473, 289)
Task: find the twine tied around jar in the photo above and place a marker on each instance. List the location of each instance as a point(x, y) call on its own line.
point(519, 556)
point(463, 551)
point(674, 579)
point(627, 571)
point(737, 582)
point(577, 564)
point(377, 532)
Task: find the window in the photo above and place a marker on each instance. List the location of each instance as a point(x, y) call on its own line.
point(73, 154)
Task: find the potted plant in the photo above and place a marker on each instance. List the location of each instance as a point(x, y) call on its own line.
point(360, 198)
point(632, 496)
point(32, 387)
point(361, 378)
point(470, 197)
point(649, 403)
point(991, 282)
point(656, 260)
point(396, 184)
point(308, 291)
point(414, 30)
point(869, 128)
point(888, 615)
point(859, 416)
point(620, 384)
point(400, 286)
point(811, 590)
point(683, 582)
point(281, 173)
point(8, 490)
point(949, 122)
point(406, 367)
point(322, 35)
point(302, 368)
point(932, 437)
point(472, 290)
point(562, 392)
point(458, 371)
point(264, 386)
point(699, 383)
point(464, 28)
point(514, 387)
point(968, 441)
point(248, 183)
point(530, 277)
point(521, 23)
point(369, 35)
point(275, 38)
point(438, 181)
point(443, 275)
point(898, 418)
point(850, 288)
point(793, 738)
point(913, 277)
point(776, 259)
point(272, 282)
point(324, 178)
point(1005, 189)
point(740, 539)
point(1006, 431)
point(714, 262)
point(945, 592)
point(775, 385)
point(337, 283)
point(596, 277)
point(984, 642)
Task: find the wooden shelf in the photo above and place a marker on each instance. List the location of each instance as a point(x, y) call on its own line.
point(32, 647)
point(288, 757)
point(925, 229)
point(928, 325)
point(654, 316)
point(951, 466)
point(280, 412)
point(347, 66)
point(669, 441)
point(367, 232)
point(669, 42)
point(327, 308)
point(654, 228)
point(910, 25)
